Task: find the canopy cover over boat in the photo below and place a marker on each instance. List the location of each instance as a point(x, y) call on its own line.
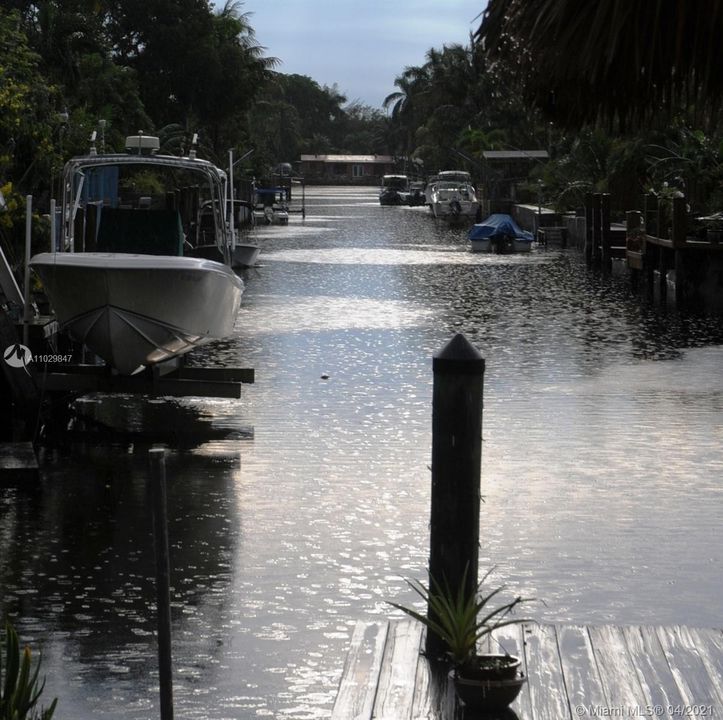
point(498, 225)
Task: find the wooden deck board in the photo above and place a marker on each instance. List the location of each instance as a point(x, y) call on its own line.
point(687, 667)
point(512, 639)
point(618, 676)
point(546, 682)
point(358, 688)
point(580, 669)
point(573, 672)
point(397, 679)
point(710, 643)
point(656, 679)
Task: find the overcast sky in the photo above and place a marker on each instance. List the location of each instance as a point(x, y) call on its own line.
point(361, 45)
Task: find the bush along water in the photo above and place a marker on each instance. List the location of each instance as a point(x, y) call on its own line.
point(20, 690)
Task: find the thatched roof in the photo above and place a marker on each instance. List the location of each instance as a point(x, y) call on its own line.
point(626, 60)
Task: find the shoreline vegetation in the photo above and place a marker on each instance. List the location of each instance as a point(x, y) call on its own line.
point(176, 67)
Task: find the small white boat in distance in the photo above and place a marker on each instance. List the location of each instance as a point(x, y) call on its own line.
point(461, 177)
point(130, 280)
point(394, 190)
point(454, 201)
point(501, 234)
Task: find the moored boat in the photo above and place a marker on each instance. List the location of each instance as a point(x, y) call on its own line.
point(131, 279)
point(501, 234)
point(394, 190)
point(454, 201)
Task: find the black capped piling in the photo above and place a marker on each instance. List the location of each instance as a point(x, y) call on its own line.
point(456, 459)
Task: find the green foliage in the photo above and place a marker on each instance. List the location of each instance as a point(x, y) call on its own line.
point(630, 63)
point(26, 100)
point(459, 618)
point(19, 688)
point(12, 228)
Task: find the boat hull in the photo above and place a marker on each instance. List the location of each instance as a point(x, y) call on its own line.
point(139, 310)
point(452, 209)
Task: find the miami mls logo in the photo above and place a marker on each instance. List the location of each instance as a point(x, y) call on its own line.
point(18, 356)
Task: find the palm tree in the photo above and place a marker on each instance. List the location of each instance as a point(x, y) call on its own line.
point(413, 83)
point(626, 61)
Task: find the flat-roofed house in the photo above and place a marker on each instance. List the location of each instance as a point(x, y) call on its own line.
point(347, 169)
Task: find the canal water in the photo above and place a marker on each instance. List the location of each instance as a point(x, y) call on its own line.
point(301, 509)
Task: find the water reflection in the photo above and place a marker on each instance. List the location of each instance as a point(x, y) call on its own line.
point(301, 508)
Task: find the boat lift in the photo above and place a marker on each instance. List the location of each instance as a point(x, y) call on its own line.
point(50, 374)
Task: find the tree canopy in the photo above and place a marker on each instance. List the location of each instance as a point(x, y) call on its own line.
point(628, 62)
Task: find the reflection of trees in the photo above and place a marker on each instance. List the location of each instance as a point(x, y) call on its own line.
point(78, 558)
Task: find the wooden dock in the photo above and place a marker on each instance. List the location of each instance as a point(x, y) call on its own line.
point(18, 463)
point(573, 672)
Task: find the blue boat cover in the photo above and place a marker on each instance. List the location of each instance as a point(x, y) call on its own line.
point(498, 225)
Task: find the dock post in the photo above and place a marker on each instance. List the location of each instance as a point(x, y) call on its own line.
point(606, 240)
point(679, 232)
point(157, 457)
point(456, 458)
point(596, 226)
point(634, 246)
point(588, 228)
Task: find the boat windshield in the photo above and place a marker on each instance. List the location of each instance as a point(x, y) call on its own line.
point(395, 182)
point(142, 207)
point(456, 176)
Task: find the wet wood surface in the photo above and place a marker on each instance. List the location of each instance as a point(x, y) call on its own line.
point(573, 671)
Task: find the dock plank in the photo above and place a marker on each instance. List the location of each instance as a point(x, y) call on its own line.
point(579, 667)
point(618, 675)
point(710, 677)
point(687, 666)
point(433, 698)
point(710, 643)
point(512, 639)
point(358, 687)
point(656, 679)
point(395, 692)
point(546, 681)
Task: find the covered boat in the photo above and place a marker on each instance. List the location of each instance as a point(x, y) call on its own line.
point(499, 233)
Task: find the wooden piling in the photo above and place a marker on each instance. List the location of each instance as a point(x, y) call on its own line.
point(605, 234)
point(596, 226)
point(163, 594)
point(456, 458)
point(588, 228)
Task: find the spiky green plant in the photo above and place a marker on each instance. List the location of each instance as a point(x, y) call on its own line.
point(19, 689)
point(459, 618)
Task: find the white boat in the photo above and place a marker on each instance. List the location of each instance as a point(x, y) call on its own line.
point(130, 280)
point(394, 190)
point(461, 177)
point(453, 201)
point(244, 255)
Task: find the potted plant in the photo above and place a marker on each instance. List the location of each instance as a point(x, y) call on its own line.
point(483, 681)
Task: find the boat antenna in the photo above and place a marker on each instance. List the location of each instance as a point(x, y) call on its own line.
point(93, 149)
point(194, 143)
